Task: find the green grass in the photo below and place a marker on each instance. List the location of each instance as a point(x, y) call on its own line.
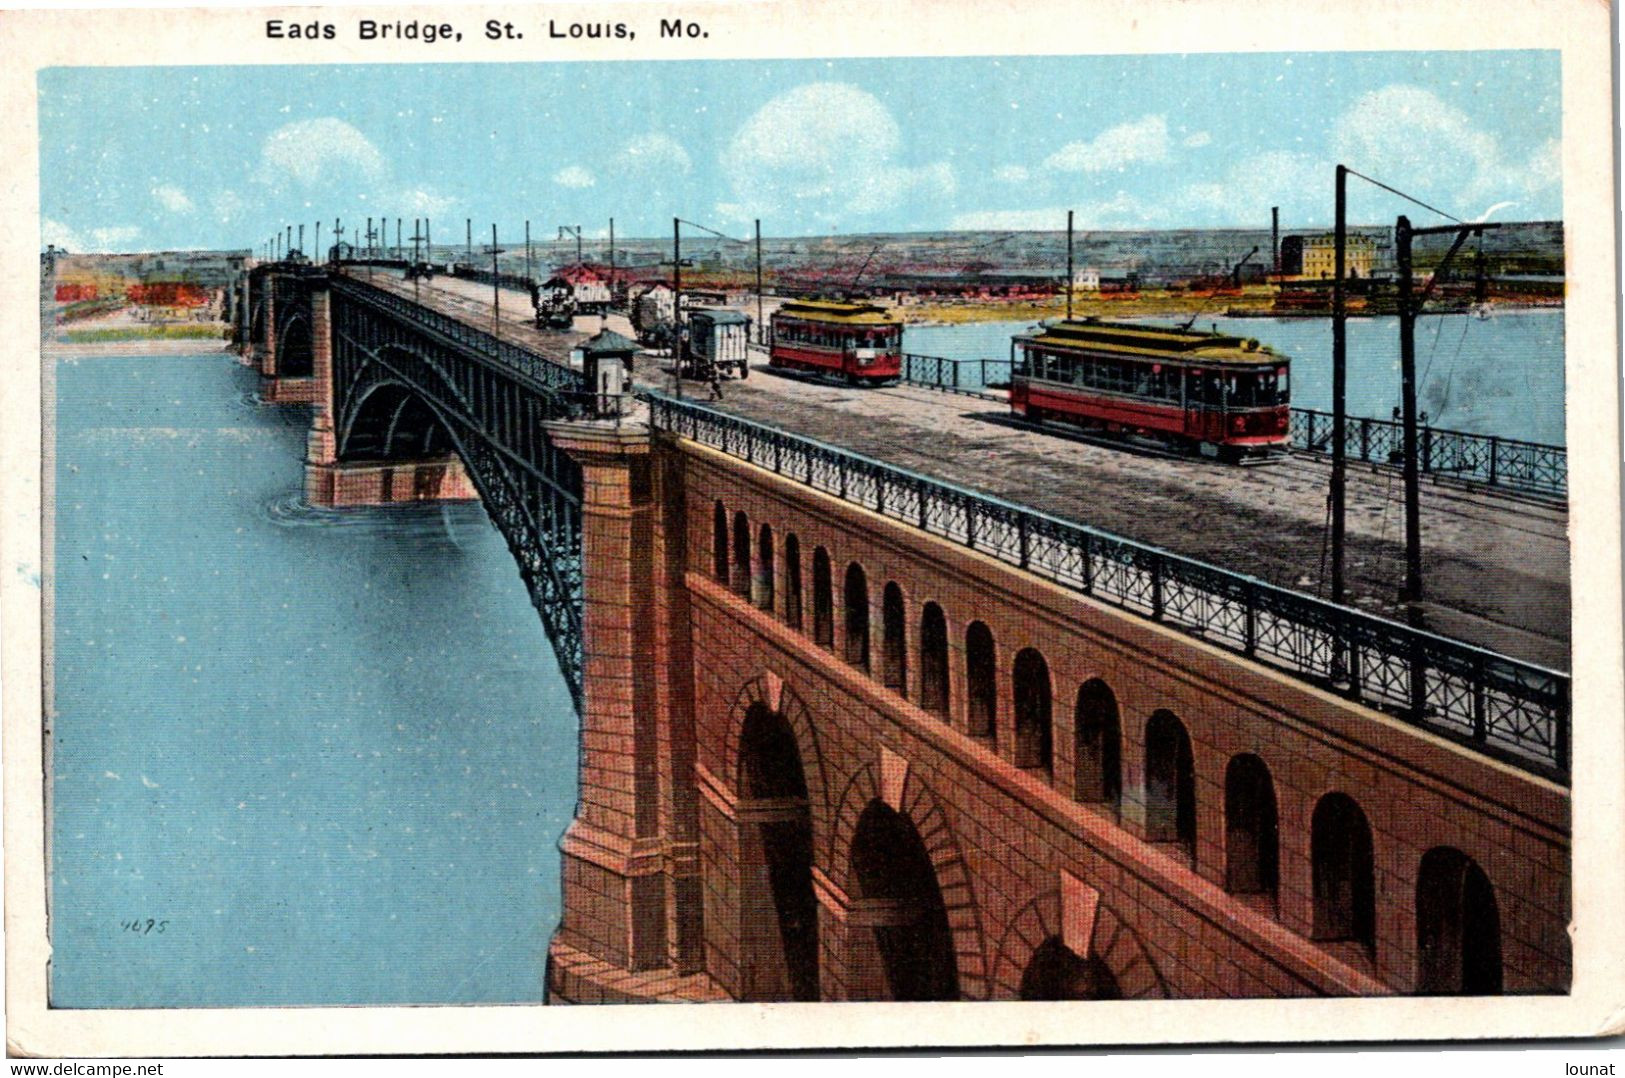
point(180, 332)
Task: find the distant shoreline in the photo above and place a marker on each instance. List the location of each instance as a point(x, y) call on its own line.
point(55, 349)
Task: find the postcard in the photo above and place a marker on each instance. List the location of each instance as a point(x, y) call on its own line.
point(832, 525)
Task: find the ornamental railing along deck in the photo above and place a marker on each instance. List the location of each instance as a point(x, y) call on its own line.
point(1533, 468)
point(1504, 707)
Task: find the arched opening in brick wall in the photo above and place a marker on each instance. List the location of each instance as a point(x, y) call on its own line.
point(741, 573)
point(893, 645)
point(1251, 828)
point(761, 580)
point(898, 895)
point(1344, 883)
point(719, 543)
point(1057, 973)
point(1030, 692)
point(1098, 753)
point(1458, 927)
point(857, 617)
point(792, 581)
point(823, 600)
point(295, 358)
point(981, 673)
point(933, 660)
point(1170, 783)
point(779, 959)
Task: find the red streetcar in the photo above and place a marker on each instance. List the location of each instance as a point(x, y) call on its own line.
point(861, 341)
point(1227, 396)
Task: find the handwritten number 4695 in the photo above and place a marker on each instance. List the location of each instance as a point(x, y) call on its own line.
point(144, 927)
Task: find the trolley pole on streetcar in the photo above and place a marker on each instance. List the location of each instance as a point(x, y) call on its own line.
point(1339, 381)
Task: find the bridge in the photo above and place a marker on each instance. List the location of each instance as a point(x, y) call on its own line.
point(882, 697)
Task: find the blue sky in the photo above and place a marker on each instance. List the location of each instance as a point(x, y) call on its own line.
point(149, 158)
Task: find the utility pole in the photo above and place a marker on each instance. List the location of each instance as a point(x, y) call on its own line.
point(761, 326)
point(528, 275)
point(1410, 306)
point(319, 241)
point(301, 237)
point(1412, 592)
point(496, 286)
point(289, 247)
point(572, 230)
point(1339, 382)
point(677, 303)
point(611, 265)
point(428, 241)
point(1070, 275)
point(470, 223)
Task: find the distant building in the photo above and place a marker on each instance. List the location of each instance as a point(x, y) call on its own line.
point(1319, 257)
point(1086, 280)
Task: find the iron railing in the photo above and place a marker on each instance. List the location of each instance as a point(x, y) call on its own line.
point(967, 376)
point(556, 379)
point(1527, 467)
point(1503, 707)
point(1532, 468)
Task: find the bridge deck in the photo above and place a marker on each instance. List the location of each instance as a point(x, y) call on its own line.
point(1496, 567)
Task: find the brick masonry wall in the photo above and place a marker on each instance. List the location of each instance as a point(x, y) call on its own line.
point(1010, 837)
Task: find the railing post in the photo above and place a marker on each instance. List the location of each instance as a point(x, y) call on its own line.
point(1481, 731)
point(1495, 446)
point(919, 495)
point(778, 454)
point(1365, 438)
point(970, 523)
point(1088, 553)
point(1021, 531)
point(956, 376)
point(1418, 680)
point(1427, 449)
point(1249, 632)
point(1156, 588)
point(1560, 717)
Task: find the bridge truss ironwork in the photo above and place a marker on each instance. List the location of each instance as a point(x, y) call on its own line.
point(492, 399)
point(1503, 707)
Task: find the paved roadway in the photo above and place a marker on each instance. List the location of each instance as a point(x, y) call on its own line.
point(1496, 568)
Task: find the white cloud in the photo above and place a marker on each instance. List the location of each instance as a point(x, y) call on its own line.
point(1299, 183)
point(314, 151)
point(1408, 136)
point(420, 201)
point(172, 198)
point(1011, 174)
point(227, 205)
point(821, 154)
point(1197, 139)
point(573, 176)
point(118, 239)
point(1139, 141)
point(654, 152)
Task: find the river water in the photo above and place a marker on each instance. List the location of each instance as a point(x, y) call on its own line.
point(299, 757)
point(1498, 375)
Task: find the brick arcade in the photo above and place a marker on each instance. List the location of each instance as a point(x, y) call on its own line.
point(827, 756)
